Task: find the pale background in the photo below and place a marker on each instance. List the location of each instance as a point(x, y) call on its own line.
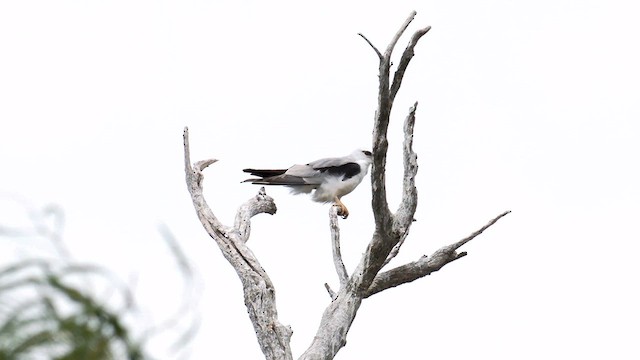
point(524, 106)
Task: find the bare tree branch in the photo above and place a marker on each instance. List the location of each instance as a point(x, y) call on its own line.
point(335, 246)
point(396, 249)
point(458, 244)
point(334, 326)
point(396, 37)
point(425, 265)
point(372, 46)
point(259, 292)
point(262, 203)
point(389, 228)
point(404, 61)
point(382, 214)
point(337, 318)
point(332, 294)
point(404, 216)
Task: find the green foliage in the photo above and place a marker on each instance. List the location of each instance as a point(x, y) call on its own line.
point(54, 308)
point(45, 313)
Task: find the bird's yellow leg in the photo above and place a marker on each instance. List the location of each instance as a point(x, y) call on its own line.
point(344, 212)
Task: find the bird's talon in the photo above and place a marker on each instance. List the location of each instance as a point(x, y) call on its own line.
point(342, 211)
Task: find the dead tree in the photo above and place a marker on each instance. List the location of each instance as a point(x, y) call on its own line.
point(391, 229)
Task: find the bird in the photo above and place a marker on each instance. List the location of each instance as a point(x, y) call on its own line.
point(329, 178)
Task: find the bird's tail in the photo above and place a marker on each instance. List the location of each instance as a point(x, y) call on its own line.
point(276, 177)
point(263, 173)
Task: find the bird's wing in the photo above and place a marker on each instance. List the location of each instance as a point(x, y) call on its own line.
point(313, 173)
point(302, 171)
point(345, 166)
point(330, 162)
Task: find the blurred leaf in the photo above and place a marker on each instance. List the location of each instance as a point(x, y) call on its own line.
point(47, 310)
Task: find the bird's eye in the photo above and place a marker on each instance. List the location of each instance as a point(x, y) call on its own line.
point(368, 153)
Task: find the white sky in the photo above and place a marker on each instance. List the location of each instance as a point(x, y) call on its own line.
point(524, 106)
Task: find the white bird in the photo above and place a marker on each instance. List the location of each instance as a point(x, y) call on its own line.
point(329, 178)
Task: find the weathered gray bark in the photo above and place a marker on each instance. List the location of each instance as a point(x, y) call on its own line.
point(391, 230)
point(259, 292)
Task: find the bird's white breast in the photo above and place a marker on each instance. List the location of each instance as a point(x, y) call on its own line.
point(335, 186)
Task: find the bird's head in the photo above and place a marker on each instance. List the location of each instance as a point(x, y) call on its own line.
point(364, 157)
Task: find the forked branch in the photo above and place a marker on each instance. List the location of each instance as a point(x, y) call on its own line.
point(337, 318)
point(259, 292)
point(426, 264)
point(390, 228)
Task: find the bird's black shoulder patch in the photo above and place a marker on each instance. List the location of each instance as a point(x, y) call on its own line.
point(347, 170)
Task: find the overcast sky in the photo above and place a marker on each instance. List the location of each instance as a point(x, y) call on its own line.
point(523, 106)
